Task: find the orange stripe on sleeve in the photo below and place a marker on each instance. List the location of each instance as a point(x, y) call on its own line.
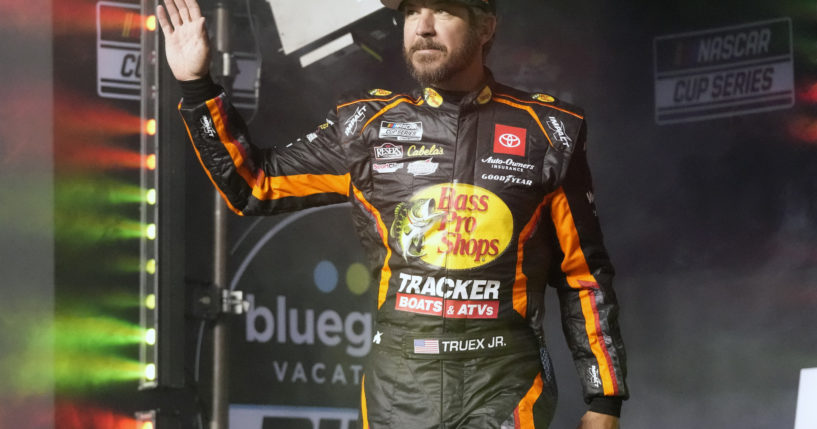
point(594, 335)
point(578, 276)
point(574, 265)
point(385, 272)
point(520, 285)
point(543, 104)
point(235, 150)
point(364, 414)
point(523, 414)
point(272, 188)
point(299, 185)
point(604, 364)
point(207, 171)
point(364, 100)
point(530, 112)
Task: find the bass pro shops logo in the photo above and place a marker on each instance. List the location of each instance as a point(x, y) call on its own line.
point(453, 225)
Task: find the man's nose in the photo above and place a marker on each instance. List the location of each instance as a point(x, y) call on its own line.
point(425, 22)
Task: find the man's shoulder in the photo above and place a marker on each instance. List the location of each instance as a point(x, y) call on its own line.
point(372, 96)
point(540, 101)
point(357, 109)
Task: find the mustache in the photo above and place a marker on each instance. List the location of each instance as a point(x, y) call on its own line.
point(427, 44)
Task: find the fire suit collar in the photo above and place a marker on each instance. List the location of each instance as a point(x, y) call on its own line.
point(439, 98)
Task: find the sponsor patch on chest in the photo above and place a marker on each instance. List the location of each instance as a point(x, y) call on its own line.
point(403, 131)
point(510, 140)
point(447, 297)
point(388, 151)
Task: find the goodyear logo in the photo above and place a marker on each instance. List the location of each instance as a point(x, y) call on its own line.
point(453, 225)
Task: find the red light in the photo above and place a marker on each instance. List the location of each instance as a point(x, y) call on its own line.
point(150, 127)
point(803, 129)
point(150, 162)
point(810, 94)
point(150, 25)
point(70, 415)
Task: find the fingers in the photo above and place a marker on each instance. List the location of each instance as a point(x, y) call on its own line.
point(193, 8)
point(170, 5)
point(164, 24)
point(182, 8)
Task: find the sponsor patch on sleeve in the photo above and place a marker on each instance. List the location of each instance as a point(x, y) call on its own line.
point(544, 98)
point(207, 126)
point(351, 125)
point(558, 129)
point(379, 92)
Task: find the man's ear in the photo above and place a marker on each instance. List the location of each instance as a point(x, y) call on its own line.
point(487, 28)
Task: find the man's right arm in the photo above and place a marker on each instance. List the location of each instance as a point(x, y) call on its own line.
point(257, 181)
point(252, 180)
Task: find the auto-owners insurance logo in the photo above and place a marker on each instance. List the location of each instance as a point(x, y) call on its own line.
point(453, 225)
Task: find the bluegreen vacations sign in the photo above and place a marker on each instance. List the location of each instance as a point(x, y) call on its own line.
point(724, 72)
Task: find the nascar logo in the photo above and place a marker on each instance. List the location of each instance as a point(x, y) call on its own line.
point(404, 131)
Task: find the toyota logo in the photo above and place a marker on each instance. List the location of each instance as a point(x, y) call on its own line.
point(509, 140)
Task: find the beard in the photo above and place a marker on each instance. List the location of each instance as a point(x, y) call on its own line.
point(430, 70)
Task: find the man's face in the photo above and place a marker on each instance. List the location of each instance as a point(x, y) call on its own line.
point(438, 40)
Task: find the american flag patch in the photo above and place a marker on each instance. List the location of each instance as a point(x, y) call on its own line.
point(429, 347)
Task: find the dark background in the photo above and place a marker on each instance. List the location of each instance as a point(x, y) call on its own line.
point(712, 225)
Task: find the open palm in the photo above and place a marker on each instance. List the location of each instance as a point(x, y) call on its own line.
point(186, 44)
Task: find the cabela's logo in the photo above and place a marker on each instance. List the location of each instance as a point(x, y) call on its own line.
point(413, 150)
point(453, 225)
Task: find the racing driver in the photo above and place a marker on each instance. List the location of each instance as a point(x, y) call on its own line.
point(469, 197)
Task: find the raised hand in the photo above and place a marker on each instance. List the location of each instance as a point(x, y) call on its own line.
point(186, 44)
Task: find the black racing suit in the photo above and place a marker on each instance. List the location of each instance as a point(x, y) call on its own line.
point(467, 206)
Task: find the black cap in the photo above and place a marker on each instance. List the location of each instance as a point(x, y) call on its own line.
point(488, 5)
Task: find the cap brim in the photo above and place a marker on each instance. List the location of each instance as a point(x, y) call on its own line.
point(392, 4)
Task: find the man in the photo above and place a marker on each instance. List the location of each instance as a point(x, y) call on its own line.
point(469, 197)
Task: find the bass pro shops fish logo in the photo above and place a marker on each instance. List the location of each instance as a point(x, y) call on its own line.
point(453, 225)
point(411, 222)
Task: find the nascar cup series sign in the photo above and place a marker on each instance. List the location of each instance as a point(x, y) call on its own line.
point(724, 72)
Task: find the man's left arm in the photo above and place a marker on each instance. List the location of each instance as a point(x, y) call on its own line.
point(589, 308)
